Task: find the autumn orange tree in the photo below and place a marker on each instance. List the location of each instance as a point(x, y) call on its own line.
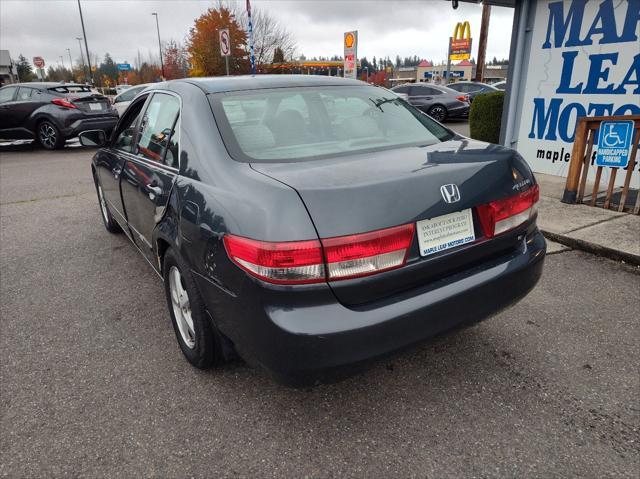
point(204, 44)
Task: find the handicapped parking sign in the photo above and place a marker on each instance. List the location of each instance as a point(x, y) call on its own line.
point(614, 143)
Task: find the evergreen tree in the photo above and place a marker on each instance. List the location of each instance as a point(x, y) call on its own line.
point(25, 71)
point(108, 69)
point(278, 55)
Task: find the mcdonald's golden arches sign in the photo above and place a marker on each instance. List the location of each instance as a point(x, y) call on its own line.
point(460, 42)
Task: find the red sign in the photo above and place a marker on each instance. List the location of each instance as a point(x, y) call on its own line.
point(461, 46)
point(38, 62)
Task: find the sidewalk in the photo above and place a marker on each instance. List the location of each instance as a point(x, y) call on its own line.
point(596, 230)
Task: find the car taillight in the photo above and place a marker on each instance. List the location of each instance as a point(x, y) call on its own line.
point(503, 215)
point(367, 253)
point(463, 98)
point(293, 262)
point(63, 102)
point(299, 262)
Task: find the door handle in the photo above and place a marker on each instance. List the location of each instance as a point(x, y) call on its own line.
point(154, 191)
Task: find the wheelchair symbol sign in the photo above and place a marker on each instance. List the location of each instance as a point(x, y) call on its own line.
point(614, 143)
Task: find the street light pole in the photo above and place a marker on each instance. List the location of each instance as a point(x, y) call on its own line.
point(70, 64)
point(159, 44)
point(86, 45)
point(84, 67)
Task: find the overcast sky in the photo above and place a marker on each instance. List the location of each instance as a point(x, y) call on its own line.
point(122, 27)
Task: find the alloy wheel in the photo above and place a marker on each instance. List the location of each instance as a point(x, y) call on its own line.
point(47, 135)
point(438, 113)
point(181, 307)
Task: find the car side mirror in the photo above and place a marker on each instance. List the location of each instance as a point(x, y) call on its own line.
point(93, 138)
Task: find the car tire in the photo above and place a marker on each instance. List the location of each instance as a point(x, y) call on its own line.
point(49, 136)
point(438, 113)
point(109, 222)
point(199, 341)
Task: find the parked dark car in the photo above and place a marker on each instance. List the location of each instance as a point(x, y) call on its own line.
point(308, 223)
point(51, 113)
point(472, 88)
point(439, 102)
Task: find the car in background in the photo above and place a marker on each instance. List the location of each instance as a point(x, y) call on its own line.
point(501, 85)
point(52, 112)
point(437, 101)
point(472, 88)
point(123, 99)
point(312, 222)
point(121, 88)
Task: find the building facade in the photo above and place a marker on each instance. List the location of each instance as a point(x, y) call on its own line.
point(8, 72)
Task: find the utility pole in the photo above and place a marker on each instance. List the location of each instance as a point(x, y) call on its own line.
point(159, 44)
point(482, 45)
point(86, 45)
point(84, 67)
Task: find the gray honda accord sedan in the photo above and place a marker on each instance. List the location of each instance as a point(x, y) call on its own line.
point(313, 223)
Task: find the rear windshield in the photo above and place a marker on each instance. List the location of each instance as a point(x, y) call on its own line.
point(295, 124)
point(71, 89)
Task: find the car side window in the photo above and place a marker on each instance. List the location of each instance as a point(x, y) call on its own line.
point(24, 93)
point(157, 127)
point(6, 94)
point(421, 90)
point(401, 89)
point(126, 133)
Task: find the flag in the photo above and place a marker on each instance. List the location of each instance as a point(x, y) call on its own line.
point(253, 57)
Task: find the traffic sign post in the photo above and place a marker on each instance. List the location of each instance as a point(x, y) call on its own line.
point(38, 62)
point(614, 143)
point(225, 47)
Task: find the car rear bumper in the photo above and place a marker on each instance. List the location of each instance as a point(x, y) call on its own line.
point(458, 112)
point(312, 337)
point(106, 123)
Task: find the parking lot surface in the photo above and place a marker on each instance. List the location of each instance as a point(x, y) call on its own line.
point(93, 383)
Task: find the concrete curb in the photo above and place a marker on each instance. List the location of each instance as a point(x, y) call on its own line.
point(593, 248)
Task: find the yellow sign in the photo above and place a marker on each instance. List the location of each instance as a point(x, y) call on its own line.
point(460, 42)
point(349, 40)
point(462, 30)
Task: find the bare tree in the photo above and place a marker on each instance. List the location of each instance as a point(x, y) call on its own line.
point(268, 33)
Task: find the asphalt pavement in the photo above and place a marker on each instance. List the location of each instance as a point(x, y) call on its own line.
point(93, 384)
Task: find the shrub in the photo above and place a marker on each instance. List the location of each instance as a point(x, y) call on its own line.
point(485, 117)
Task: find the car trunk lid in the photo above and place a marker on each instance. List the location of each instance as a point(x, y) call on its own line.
point(92, 103)
point(383, 189)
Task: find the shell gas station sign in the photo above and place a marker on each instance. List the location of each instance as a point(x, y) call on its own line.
point(351, 54)
point(460, 42)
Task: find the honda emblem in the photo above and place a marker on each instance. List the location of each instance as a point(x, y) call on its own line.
point(450, 193)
